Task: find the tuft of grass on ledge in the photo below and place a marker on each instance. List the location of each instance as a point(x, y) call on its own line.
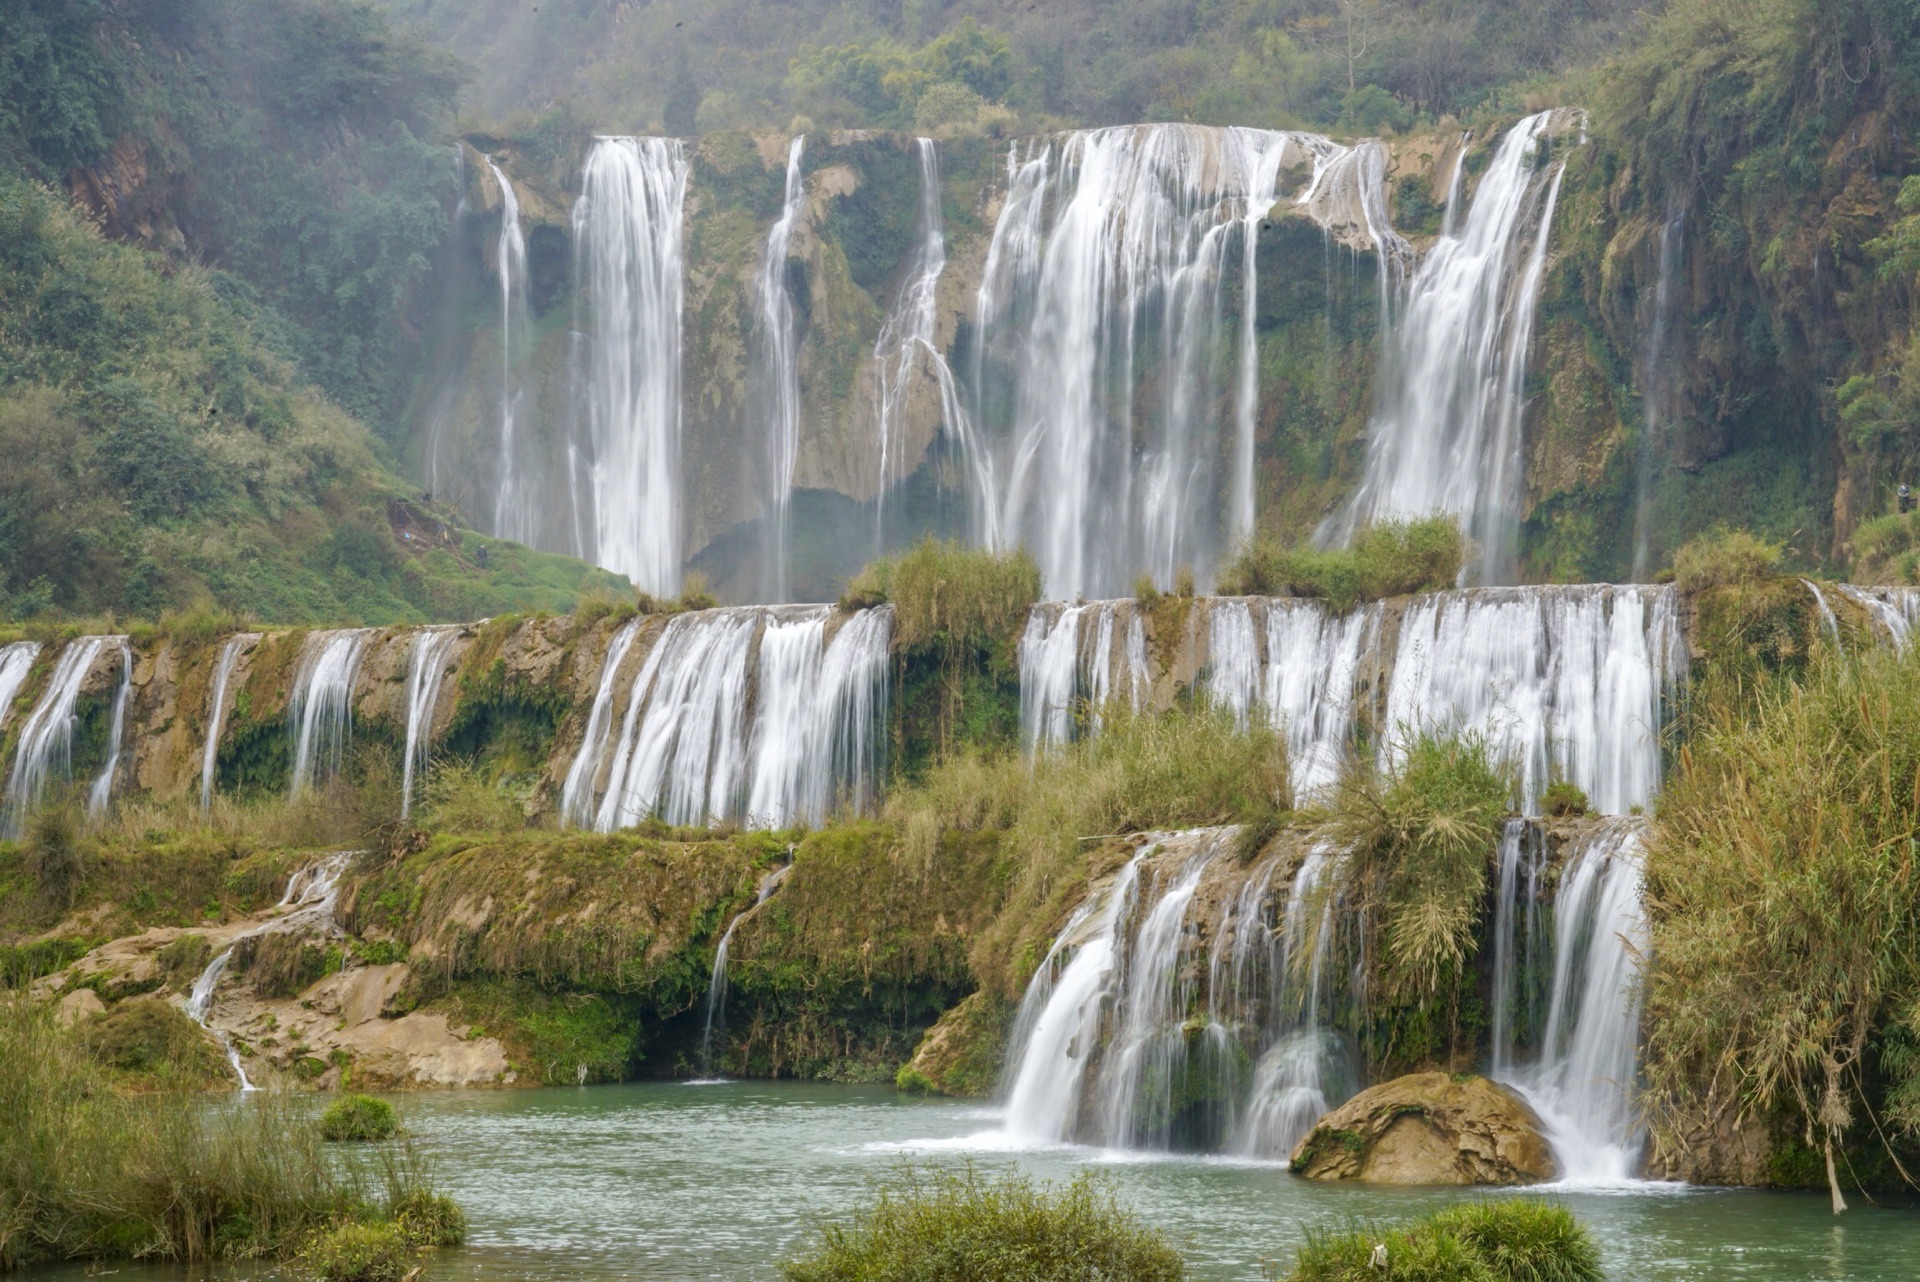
point(1514, 1240)
point(1392, 558)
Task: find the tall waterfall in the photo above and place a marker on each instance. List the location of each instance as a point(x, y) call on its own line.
point(16, 663)
point(1656, 393)
point(907, 337)
point(1064, 668)
point(102, 790)
point(778, 337)
point(1566, 682)
point(1581, 1078)
point(745, 714)
point(1108, 434)
point(237, 645)
point(320, 707)
point(629, 237)
point(516, 513)
point(427, 667)
point(1113, 1044)
point(1445, 435)
point(45, 748)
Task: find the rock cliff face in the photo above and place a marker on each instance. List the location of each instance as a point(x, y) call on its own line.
point(1428, 1128)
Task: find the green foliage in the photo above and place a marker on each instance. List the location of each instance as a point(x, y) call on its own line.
point(1780, 892)
point(946, 82)
point(59, 98)
point(88, 1173)
point(1517, 1240)
point(1564, 799)
point(1724, 558)
point(1420, 837)
point(949, 595)
point(57, 852)
point(462, 798)
point(357, 1252)
point(945, 1226)
point(358, 1118)
point(1392, 558)
point(150, 1040)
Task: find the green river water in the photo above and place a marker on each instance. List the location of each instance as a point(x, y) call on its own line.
point(671, 1181)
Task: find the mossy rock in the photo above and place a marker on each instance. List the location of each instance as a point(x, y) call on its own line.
point(963, 1053)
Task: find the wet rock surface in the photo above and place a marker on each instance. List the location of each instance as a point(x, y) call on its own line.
point(1428, 1128)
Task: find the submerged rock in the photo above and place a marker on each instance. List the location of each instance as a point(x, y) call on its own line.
point(1428, 1128)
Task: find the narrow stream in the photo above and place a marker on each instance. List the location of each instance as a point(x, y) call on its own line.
point(668, 1181)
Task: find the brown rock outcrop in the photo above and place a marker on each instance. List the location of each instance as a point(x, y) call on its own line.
point(1428, 1128)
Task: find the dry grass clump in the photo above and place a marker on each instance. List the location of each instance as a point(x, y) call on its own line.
point(89, 1173)
point(1392, 558)
point(1783, 914)
point(956, 1226)
point(1724, 558)
point(1143, 771)
point(950, 594)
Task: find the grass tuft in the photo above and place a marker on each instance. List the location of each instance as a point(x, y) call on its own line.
point(358, 1118)
point(1724, 558)
point(1393, 558)
point(1516, 1240)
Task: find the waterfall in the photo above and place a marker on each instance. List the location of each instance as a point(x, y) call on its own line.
point(16, 663)
point(694, 747)
point(715, 1017)
point(1059, 669)
point(102, 790)
point(237, 645)
point(426, 670)
point(1582, 1081)
point(629, 239)
point(576, 794)
point(320, 708)
point(1828, 623)
point(1445, 435)
point(45, 747)
point(1656, 393)
point(1108, 435)
point(1521, 864)
point(311, 895)
point(907, 336)
point(1111, 1045)
point(1307, 1069)
point(515, 509)
point(1567, 682)
point(779, 347)
point(1058, 1026)
point(1895, 609)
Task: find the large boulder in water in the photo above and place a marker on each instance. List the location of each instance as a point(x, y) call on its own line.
point(1428, 1128)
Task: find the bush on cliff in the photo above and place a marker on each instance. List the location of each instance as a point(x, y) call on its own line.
point(947, 1226)
point(1519, 1240)
point(1389, 559)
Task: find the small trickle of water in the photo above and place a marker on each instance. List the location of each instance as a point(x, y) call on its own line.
point(45, 748)
point(320, 708)
point(1828, 623)
point(230, 653)
point(715, 1017)
point(102, 790)
point(308, 904)
point(426, 671)
point(16, 662)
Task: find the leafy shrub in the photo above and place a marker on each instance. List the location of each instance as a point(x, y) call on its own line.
point(1564, 799)
point(358, 1118)
point(57, 855)
point(1724, 558)
point(464, 798)
point(959, 1227)
point(358, 1252)
point(1392, 558)
point(1518, 1240)
point(150, 1037)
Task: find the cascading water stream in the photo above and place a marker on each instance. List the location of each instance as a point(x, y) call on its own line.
point(1110, 259)
point(693, 747)
point(907, 336)
point(779, 346)
point(1445, 436)
point(1656, 394)
point(320, 707)
point(16, 663)
point(629, 238)
point(1896, 610)
point(237, 645)
point(1582, 1080)
point(45, 748)
point(715, 1016)
point(102, 790)
point(1062, 665)
point(516, 513)
point(426, 672)
point(1828, 623)
point(311, 895)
